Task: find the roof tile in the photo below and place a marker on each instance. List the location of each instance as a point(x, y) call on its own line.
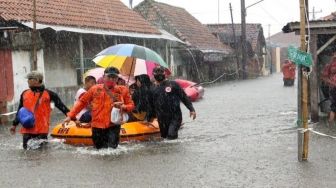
point(97, 14)
point(331, 16)
point(182, 24)
point(252, 31)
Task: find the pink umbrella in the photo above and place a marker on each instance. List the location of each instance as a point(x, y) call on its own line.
point(95, 72)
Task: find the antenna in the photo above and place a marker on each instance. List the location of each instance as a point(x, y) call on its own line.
point(314, 12)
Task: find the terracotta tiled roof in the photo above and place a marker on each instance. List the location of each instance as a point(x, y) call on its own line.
point(180, 23)
point(95, 14)
point(284, 39)
point(252, 32)
point(331, 16)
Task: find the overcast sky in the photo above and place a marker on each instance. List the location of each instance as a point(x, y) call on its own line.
point(275, 13)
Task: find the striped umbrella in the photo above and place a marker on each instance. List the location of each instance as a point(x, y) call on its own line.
point(130, 59)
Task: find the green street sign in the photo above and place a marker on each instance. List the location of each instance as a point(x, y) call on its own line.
point(299, 57)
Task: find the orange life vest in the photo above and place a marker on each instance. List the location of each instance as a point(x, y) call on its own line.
point(41, 114)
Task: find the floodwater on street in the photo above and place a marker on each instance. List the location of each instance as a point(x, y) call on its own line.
point(244, 136)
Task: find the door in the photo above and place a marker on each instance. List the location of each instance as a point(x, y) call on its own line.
point(6, 76)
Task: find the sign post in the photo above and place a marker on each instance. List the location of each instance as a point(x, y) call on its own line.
point(303, 60)
point(299, 57)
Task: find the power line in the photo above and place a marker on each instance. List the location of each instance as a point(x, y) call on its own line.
point(269, 14)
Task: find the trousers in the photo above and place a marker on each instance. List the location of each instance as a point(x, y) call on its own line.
point(27, 137)
point(169, 126)
point(104, 138)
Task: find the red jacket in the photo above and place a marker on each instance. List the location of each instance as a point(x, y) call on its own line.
point(329, 71)
point(288, 70)
point(102, 104)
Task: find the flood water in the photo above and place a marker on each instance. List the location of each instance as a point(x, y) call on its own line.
point(244, 136)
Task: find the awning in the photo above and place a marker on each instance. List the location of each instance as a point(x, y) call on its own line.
point(164, 34)
point(327, 25)
point(216, 51)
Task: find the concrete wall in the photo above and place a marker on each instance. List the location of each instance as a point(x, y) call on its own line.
point(56, 77)
point(277, 59)
point(21, 67)
point(58, 66)
point(276, 56)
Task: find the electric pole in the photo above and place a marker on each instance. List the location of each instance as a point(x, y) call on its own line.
point(243, 34)
point(303, 88)
point(243, 37)
point(34, 67)
point(218, 12)
point(270, 48)
point(235, 41)
point(131, 4)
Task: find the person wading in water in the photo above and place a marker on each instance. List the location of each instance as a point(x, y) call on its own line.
point(166, 97)
point(37, 99)
point(103, 97)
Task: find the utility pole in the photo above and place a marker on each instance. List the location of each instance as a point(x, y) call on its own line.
point(218, 12)
point(270, 47)
point(131, 4)
point(81, 56)
point(303, 88)
point(34, 67)
point(243, 37)
point(235, 41)
point(243, 33)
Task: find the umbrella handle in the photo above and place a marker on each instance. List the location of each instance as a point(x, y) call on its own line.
point(130, 71)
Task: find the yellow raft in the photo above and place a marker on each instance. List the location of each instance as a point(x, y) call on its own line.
point(80, 134)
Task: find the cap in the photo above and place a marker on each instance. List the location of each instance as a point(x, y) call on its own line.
point(35, 75)
point(111, 71)
point(158, 70)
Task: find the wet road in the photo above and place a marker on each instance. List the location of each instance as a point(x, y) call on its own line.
point(244, 136)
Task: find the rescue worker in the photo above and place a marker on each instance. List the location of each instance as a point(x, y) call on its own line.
point(288, 70)
point(121, 82)
point(143, 99)
point(85, 114)
point(103, 97)
point(329, 78)
point(166, 97)
point(37, 95)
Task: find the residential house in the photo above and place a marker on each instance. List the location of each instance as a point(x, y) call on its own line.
point(255, 42)
point(204, 57)
point(321, 45)
point(69, 34)
point(277, 46)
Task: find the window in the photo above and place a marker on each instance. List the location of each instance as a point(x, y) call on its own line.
point(88, 64)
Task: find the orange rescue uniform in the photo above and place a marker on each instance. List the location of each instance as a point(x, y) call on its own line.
point(288, 70)
point(102, 104)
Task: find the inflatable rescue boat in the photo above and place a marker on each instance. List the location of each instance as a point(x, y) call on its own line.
point(193, 91)
point(80, 134)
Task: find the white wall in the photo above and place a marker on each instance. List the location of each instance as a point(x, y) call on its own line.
point(278, 62)
point(21, 67)
point(265, 70)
